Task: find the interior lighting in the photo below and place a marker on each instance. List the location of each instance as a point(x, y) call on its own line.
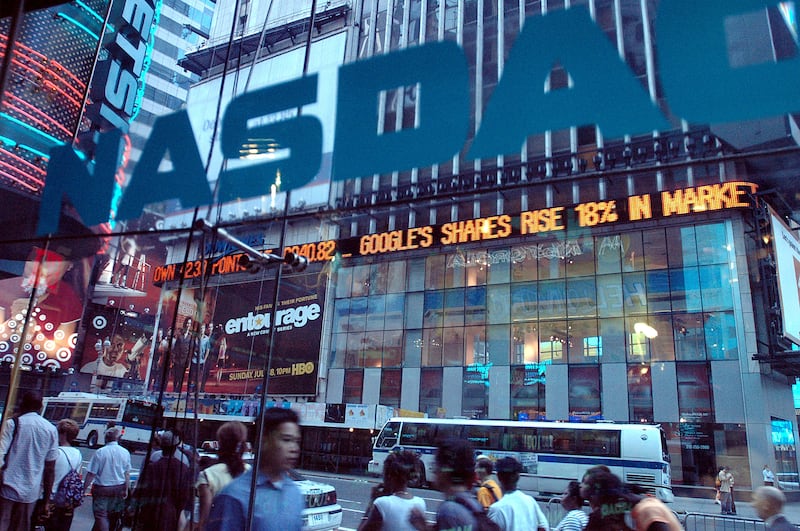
point(644, 328)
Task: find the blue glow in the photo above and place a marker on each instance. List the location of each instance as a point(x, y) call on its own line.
point(52, 139)
point(34, 151)
point(137, 106)
point(89, 10)
point(79, 25)
point(7, 141)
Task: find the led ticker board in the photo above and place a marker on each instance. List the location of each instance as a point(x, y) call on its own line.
point(552, 220)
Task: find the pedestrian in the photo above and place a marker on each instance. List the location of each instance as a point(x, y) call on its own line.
point(392, 503)
point(278, 500)
point(726, 490)
point(109, 476)
point(769, 477)
point(572, 502)
point(717, 493)
point(768, 503)
point(29, 449)
point(455, 473)
point(488, 490)
point(606, 496)
point(164, 489)
point(69, 458)
point(158, 453)
point(232, 439)
point(516, 511)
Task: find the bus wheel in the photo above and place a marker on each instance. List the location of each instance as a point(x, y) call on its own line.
point(91, 440)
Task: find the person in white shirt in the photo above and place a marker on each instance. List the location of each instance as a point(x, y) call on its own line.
point(29, 447)
point(109, 474)
point(769, 477)
point(515, 511)
point(69, 458)
point(572, 502)
point(392, 503)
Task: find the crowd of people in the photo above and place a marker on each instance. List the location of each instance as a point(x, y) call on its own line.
point(480, 494)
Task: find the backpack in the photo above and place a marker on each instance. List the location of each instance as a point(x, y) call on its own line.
point(482, 520)
point(70, 490)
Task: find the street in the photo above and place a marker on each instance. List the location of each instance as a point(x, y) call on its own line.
point(353, 494)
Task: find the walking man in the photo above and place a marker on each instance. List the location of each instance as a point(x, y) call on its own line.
point(278, 500)
point(516, 511)
point(488, 490)
point(30, 446)
point(109, 475)
point(768, 503)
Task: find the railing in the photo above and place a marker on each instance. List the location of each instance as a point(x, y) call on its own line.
point(709, 522)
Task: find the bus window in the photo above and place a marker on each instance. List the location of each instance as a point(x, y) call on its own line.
point(104, 411)
point(417, 434)
point(519, 440)
point(139, 413)
point(446, 431)
point(598, 442)
point(388, 435)
point(557, 440)
point(484, 437)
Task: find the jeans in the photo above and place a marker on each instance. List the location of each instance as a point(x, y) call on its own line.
point(727, 499)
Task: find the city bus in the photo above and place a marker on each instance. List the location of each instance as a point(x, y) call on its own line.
point(94, 413)
point(552, 453)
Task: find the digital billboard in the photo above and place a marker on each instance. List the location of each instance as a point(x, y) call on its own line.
point(787, 262)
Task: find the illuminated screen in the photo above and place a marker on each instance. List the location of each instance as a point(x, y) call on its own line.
point(787, 260)
point(782, 432)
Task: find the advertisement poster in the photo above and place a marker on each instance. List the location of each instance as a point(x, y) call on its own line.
point(787, 261)
point(41, 308)
point(220, 343)
point(118, 345)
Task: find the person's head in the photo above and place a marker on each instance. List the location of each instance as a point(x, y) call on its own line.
point(768, 501)
point(112, 434)
point(169, 440)
point(398, 470)
point(766, 467)
point(31, 402)
point(188, 324)
point(572, 499)
point(231, 437)
point(483, 467)
point(599, 485)
point(455, 464)
point(50, 268)
point(67, 431)
point(114, 352)
point(280, 442)
point(508, 471)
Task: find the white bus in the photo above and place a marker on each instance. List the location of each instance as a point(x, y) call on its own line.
point(553, 453)
point(93, 413)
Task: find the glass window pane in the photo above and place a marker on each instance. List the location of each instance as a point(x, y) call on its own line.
point(413, 350)
point(413, 315)
point(498, 304)
point(416, 275)
point(453, 348)
point(341, 314)
point(658, 294)
point(662, 347)
point(715, 285)
point(583, 343)
point(475, 312)
point(609, 296)
point(655, 248)
point(552, 297)
point(338, 350)
point(373, 349)
point(475, 345)
point(395, 305)
point(499, 344)
point(681, 247)
point(633, 285)
point(581, 297)
point(612, 335)
point(432, 347)
point(430, 391)
point(694, 392)
point(523, 301)
point(638, 342)
point(393, 348)
point(500, 271)
point(475, 393)
point(391, 384)
point(584, 392)
point(358, 315)
point(712, 244)
point(720, 330)
point(435, 271)
point(527, 401)
point(550, 259)
point(355, 353)
point(580, 261)
point(432, 309)
point(608, 252)
point(524, 343)
point(523, 265)
point(396, 281)
point(353, 383)
point(632, 252)
point(344, 282)
point(360, 281)
point(454, 273)
point(552, 341)
point(685, 288)
point(376, 310)
point(378, 277)
point(640, 393)
point(689, 336)
point(454, 307)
